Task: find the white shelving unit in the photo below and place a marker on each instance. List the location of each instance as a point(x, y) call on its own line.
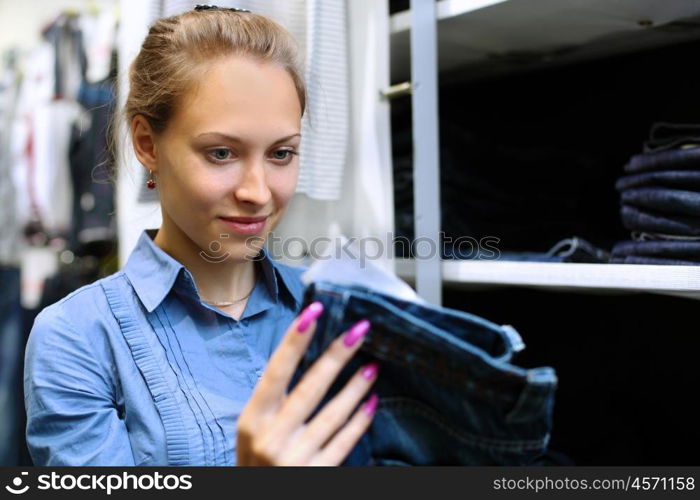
point(509, 35)
point(681, 281)
point(487, 36)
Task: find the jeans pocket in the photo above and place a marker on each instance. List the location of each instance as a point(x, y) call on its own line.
point(409, 431)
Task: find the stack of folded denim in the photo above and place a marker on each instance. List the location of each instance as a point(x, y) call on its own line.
point(660, 198)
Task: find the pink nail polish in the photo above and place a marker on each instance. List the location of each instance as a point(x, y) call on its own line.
point(309, 314)
point(371, 404)
point(355, 333)
point(370, 370)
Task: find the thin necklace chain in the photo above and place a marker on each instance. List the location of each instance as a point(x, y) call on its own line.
point(229, 303)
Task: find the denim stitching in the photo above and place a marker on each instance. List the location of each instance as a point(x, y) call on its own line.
point(489, 444)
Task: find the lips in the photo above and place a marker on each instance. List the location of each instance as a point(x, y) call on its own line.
point(245, 225)
point(246, 220)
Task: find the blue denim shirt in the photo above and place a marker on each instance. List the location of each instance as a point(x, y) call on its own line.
point(135, 369)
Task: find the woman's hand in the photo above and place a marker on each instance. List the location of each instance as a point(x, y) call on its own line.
point(272, 429)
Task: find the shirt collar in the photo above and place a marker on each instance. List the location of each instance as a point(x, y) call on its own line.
point(153, 273)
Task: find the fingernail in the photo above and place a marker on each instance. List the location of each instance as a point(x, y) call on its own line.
point(309, 314)
point(369, 371)
point(371, 404)
point(355, 333)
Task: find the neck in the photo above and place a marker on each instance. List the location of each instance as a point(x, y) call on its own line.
point(216, 281)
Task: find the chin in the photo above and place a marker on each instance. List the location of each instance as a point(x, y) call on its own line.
point(245, 250)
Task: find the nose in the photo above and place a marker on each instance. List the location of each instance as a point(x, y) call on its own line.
point(252, 188)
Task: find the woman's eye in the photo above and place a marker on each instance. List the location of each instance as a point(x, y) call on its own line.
point(283, 154)
point(223, 154)
point(220, 154)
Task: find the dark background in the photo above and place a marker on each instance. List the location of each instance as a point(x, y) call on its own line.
point(549, 144)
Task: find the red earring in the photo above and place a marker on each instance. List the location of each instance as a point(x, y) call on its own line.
point(151, 183)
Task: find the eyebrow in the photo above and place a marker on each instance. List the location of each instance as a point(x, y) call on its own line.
point(233, 138)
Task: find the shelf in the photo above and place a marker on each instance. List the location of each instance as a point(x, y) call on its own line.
point(401, 21)
point(495, 36)
point(681, 281)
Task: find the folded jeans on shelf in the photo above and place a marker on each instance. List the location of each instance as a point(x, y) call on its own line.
point(648, 236)
point(636, 219)
point(683, 179)
point(675, 159)
point(663, 200)
point(678, 250)
point(448, 394)
point(658, 261)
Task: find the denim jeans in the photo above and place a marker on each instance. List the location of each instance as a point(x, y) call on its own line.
point(572, 249)
point(11, 353)
point(93, 194)
point(677, 250)
point(648, 236)
point(448, 394)
point(663, 200)
point(577, 249)
point(636, 219)
point(643, 259)
point(681, 179)
point(674, 159)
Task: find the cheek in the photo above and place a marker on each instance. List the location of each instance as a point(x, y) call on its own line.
point(283, 185)
point(190, 187)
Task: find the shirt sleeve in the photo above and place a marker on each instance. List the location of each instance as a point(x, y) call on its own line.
point(72, 416)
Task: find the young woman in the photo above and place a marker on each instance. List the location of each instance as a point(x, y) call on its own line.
point(184, 356)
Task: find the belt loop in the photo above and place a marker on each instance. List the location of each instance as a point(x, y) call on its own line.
point(516, 341)
point(337, 303)
point(339, 307)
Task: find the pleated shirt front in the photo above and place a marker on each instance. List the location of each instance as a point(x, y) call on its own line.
point(135, 369)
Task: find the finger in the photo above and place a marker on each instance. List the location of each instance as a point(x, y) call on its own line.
point(333, 415)
point(272, 386)
point(340, 446)
point(314, 384)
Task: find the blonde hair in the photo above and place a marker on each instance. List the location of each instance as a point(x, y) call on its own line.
point(176, 50)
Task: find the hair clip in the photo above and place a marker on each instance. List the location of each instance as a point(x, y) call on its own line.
point(216, 7)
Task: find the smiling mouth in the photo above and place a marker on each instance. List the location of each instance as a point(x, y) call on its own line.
point(245, 225)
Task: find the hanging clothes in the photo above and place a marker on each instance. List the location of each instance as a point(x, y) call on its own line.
point(9, 225)
point(11, 347)
point(46, 110)
point(64, 35)
point(11, 337)
point(90, 165)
